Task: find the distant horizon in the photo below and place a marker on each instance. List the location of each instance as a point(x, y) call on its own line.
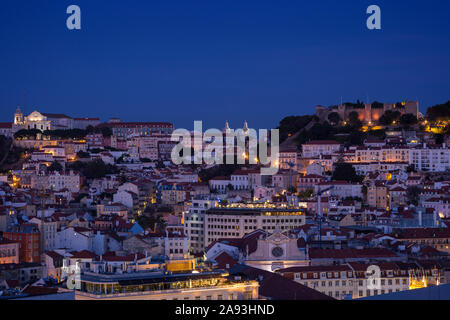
point(180, 61)
point(232, 125)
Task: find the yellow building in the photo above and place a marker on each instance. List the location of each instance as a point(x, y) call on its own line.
point(378, 197)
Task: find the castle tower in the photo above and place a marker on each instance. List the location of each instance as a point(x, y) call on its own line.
point(18, 117)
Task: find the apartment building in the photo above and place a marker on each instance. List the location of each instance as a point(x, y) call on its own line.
point(364, 168)
point(309, 181)
point(69, 180)
point(234, 221)
point(172, 193)
point(49, 229)
point(317, 148)
point(194, 222)
point(83, 123)
point(29, 239)
point(147, 145)
point(6, 129)
point(94, 140)
point(341, 189)
point(382, 154)
point(378, 196)
point(288, 158)
point(9, 251)
point(133, 129)
point(353, 280)
point(438, 238)
point(56, 181)
point(430, 158)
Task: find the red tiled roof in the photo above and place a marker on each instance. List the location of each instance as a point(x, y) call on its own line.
point(321, 142)
point(38, 290)
point(277, 287)
point(85, 254)
point(316, 253)
point(422, 233)
point(225, 261)
point(6, 125)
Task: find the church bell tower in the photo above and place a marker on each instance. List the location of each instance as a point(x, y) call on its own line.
point(18, 117)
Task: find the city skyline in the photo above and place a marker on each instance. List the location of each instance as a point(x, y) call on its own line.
point(214, 62)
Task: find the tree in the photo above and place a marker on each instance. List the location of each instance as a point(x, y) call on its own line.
point(389, 117)
point(55, 166)
point(305, 194)
point(345, 172)
point(334, 118)
point(106, 131)
point(353, 120)
point(356, 138)
point(97, 169)
point(439, 138)
point(439, 111)
point(83, 155)
point(412, 195)
point(408, 119)
point(27, 134)
point(364, 190)
point(160, 165)
point(292, 124)
point(377, 105)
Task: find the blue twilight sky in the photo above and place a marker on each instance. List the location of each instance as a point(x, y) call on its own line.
point(212, 60)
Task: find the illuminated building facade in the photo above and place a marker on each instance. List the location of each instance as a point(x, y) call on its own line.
point(214, 285)
point(234, 221)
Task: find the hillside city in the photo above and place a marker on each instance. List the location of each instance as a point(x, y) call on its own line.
point(94, 210)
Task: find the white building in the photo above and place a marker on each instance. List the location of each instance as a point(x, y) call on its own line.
point(6, 129)
point(430, 158)
point(239, 180)
point(64, 180)
point(237, 220)
point(194, 222)
point(316, 148)
point(341, 189)
point(74, 238)
point(41, 121)
point(220, 184)
point(50, 231)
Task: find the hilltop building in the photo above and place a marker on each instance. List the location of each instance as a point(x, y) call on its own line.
point(368, 112)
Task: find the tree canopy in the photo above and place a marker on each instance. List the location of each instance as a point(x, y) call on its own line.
point(345, 172)
point(55, 166)
point(439, 111)
point(334, 118)
point(389, 117)
point(292, 124)
point(408, 119)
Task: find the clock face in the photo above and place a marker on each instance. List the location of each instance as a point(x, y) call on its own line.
point(277, 252)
